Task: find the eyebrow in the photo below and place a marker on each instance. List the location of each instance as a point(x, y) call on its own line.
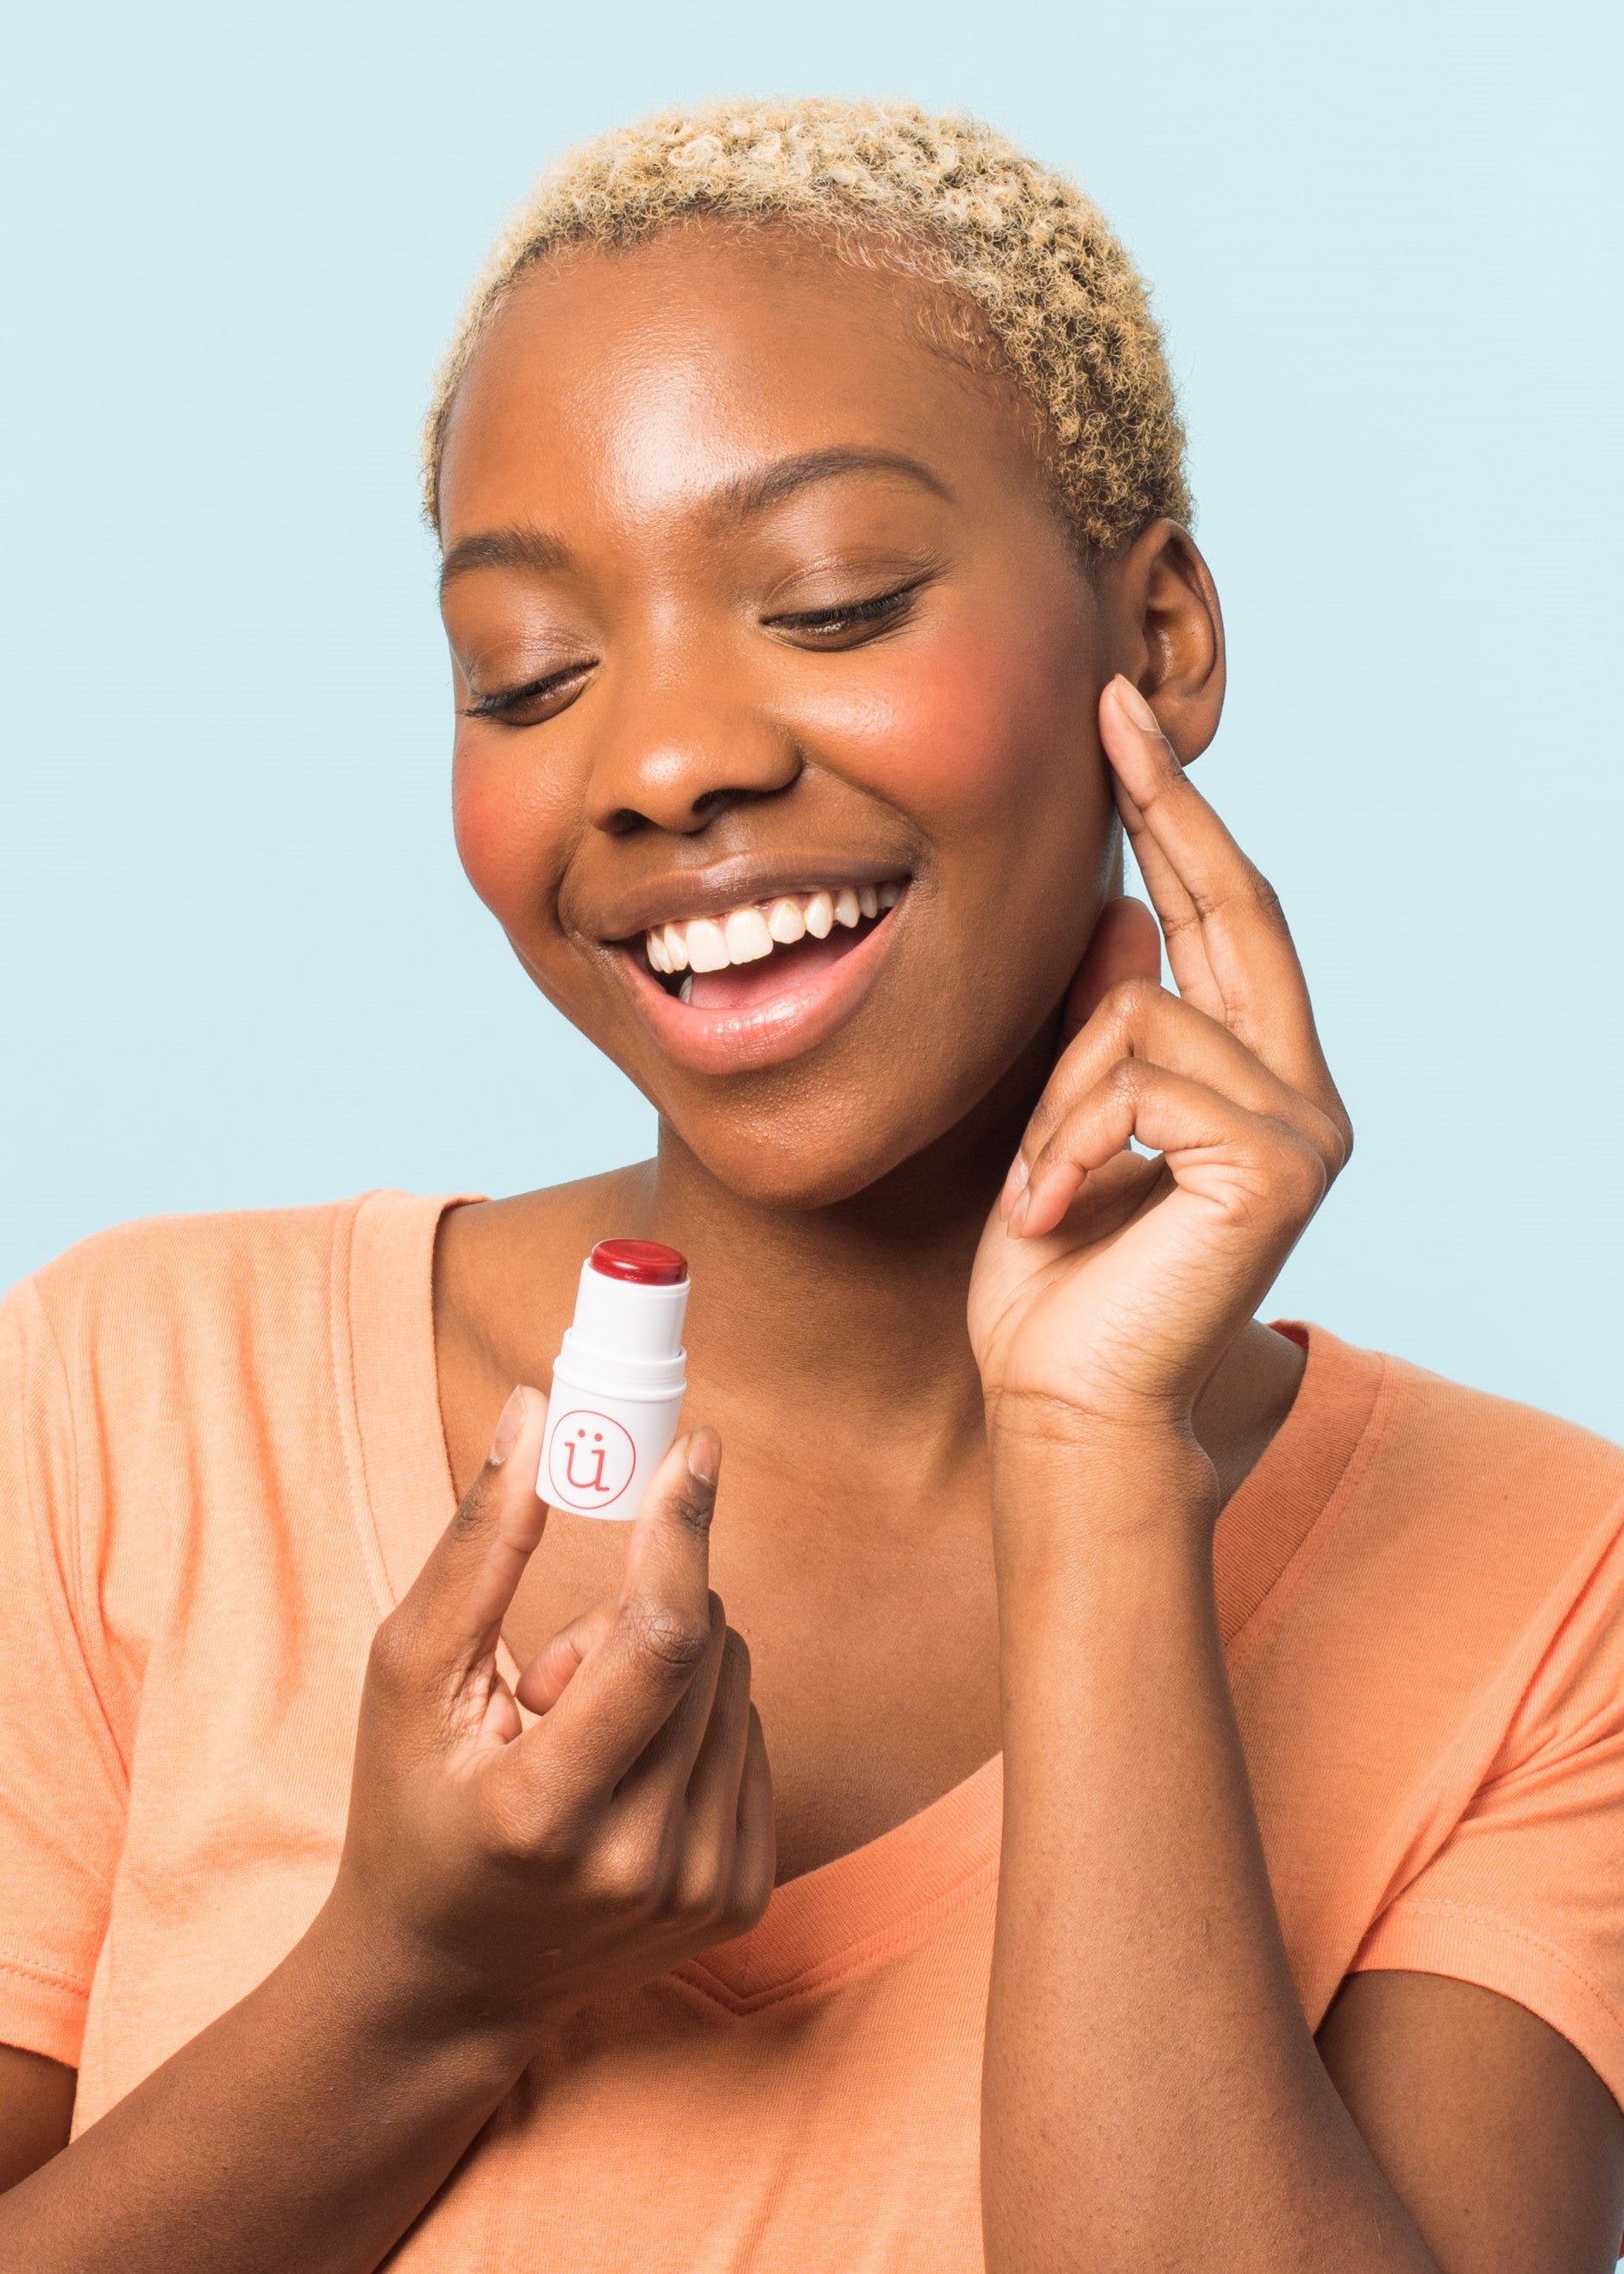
point(503, 548)
point(736, 500)
point(769, 485)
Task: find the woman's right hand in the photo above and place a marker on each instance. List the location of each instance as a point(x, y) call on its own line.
point(513, 1871)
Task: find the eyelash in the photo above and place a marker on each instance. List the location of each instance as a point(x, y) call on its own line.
point(883, 607)
point(536, 691)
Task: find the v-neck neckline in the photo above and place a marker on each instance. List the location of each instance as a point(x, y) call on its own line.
point(854, 1911)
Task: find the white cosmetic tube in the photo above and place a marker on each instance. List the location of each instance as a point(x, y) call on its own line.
point(618, 1381)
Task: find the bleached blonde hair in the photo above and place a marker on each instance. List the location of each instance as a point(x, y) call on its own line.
point(945, 199)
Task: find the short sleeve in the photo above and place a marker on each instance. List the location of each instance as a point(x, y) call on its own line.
point(62, 1781)
point(1526, 1895)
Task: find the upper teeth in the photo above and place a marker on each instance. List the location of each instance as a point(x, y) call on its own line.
point(745, 935)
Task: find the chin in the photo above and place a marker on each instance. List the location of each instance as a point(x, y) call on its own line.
point(902, 1141)
point(781, 1163)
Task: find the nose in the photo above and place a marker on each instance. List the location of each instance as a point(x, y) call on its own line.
point(673, 753)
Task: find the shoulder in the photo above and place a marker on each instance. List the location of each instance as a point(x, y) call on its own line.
point(1518, 1493)
point(197, 1309)
point(1441, 1661)
point(164, 1277)
point(1458, 1537)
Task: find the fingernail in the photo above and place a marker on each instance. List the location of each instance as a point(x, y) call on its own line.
point(507, 1430)
point(704, 1456)
point(1014, 1184)
point(1134, 704)
point(1017, 1214)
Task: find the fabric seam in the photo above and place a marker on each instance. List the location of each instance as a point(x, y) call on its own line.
point(815, 1980)
point(1247, 1638)
point(1513, 1930)
point(51, 1977)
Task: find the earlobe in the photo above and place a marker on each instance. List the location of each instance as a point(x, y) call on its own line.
point(1174, 630)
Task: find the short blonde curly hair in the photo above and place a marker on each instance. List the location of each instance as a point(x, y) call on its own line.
point(947, 199)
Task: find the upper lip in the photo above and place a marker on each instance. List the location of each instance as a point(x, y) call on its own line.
point(679, 896)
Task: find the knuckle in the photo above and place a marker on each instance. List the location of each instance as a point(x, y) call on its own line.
point(389, 1660)
point(676, 1640)
point(1343, 1127)
point(627, 1871)
point(1177, 922)
point(1265, 896)
point(735, 1657)
point(508, 1833)
point(1131, 1002)
point(1302, 1169)
point(692, 1503)
point(750, 1891)
point(1127, 1081)
point(472, 1510)
point(528, 1825)
point(704, 1888)
point(1250, 889)
point(1334, 1136)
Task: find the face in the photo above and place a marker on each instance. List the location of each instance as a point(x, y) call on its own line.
point(777, 679)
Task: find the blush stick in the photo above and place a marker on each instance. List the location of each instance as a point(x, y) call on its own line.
point(618, 1381)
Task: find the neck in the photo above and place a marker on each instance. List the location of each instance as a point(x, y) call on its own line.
point(854, 1309)
point(828, 1344)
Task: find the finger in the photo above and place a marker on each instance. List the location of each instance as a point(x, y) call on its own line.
point(661, 1632)
point(1255, 1168)
point(667, 1762)
point(555, 1665)
point(1126, 944)
point(688, 1777)
point(719, 1761)
point(1226, 934)
point(455, 1608)
point(756, 1866)
point(1175, 912)
point(1139, 1020)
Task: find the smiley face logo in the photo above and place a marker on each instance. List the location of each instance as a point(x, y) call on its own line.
point(590, 1461)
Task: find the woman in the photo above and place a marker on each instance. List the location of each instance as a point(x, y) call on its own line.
point(1195, 1822)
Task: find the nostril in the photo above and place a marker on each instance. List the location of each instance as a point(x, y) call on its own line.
point(717, 801)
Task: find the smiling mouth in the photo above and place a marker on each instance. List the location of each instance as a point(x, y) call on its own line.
point(742, 960)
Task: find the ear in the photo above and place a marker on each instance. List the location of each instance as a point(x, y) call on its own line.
point(1166, 632)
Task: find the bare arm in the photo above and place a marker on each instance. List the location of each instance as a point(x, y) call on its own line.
point(36, 2109)
point(1141, 1982)
point(493, 1877)
point(1152, 2094)
point(1503, 2141)
point(305, 2127)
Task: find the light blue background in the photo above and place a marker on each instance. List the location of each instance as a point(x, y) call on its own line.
point(240, 964)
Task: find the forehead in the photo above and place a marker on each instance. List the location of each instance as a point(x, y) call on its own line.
point(639, 379)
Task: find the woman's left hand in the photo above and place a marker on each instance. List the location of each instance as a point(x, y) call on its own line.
point(1108, 1286)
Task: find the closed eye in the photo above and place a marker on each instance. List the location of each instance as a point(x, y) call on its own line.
point(848, 624)
point(536, 700)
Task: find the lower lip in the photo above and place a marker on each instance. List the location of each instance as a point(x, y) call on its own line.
point(783, 1026)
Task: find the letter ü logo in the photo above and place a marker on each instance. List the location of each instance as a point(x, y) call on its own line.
point(590, 1461)
point(594, 1481)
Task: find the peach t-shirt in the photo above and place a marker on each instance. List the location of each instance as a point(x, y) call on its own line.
point(221, 1464)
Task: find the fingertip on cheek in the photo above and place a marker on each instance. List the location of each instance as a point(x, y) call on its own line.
point(1132, 705)
point(1014, 1184)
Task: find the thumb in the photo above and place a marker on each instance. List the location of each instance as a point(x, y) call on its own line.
point(1126, 944)
point(458, 1600)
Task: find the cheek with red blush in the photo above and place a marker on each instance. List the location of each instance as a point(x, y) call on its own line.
point(507, 838)
point(976, 735)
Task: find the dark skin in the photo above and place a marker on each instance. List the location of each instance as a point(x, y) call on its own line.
point(974, 1418)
